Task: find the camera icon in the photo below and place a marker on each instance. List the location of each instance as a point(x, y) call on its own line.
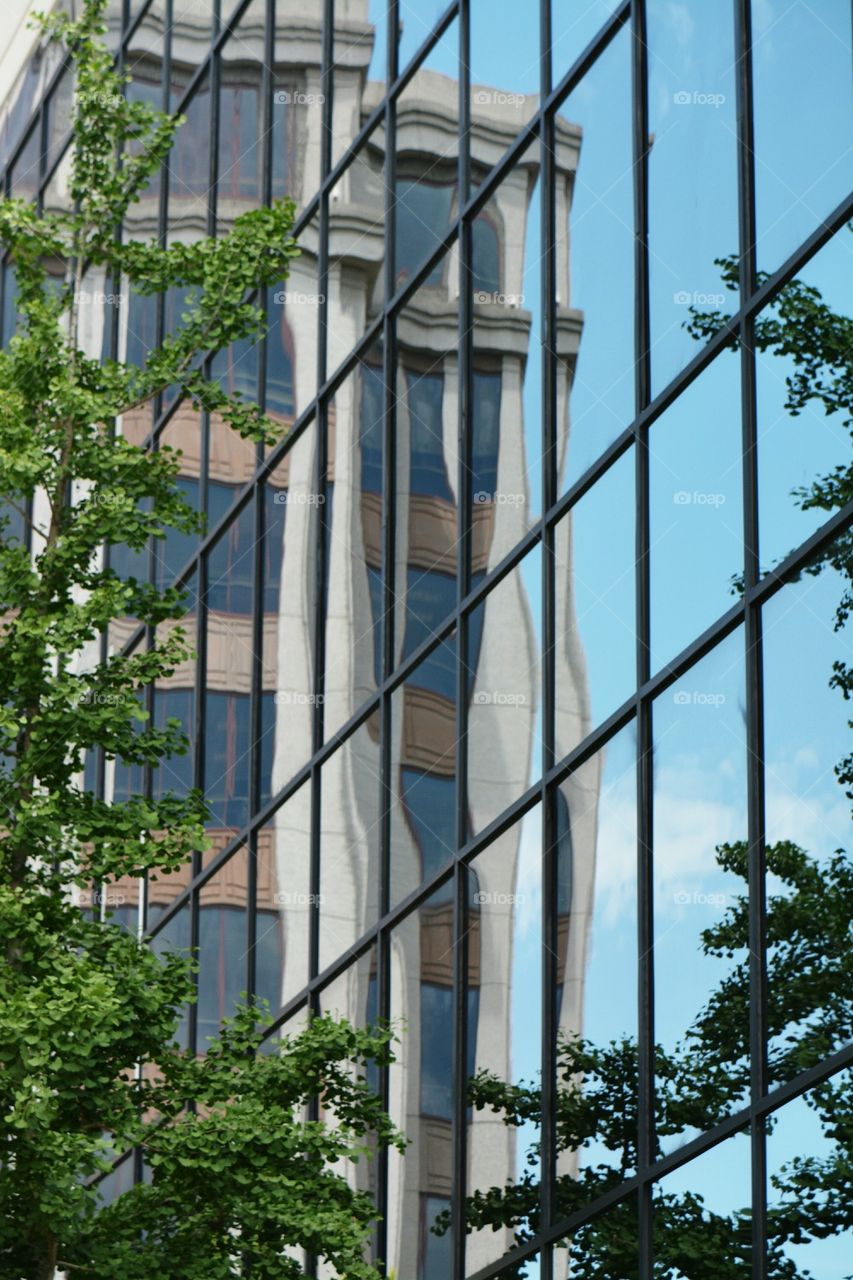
point(681, 898)
point(681, 699)
point(682, 98)
point(482, 698)
point(481, 897)
point(682, 298)
point(481, 497)
point(482, 96)
point(681, 498)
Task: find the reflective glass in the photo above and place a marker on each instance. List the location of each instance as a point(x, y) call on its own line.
point(174, 701)
point(349, 842)
point(808, 768)
point(297, 104)
point(701, 957)
point(427, 409)
point(352, 509)
point(504, 979)
point(228, 675)
point(803, 103)
point(356, 248)
point(24, 175)
point(423, 765)
point(59, 108)
point(507, 355)
point(595, 262)
point(696, 519)
point(420, 1089)
point(810, 1220)
point(505, 72)
point(174, 936)
point(293, 308)
point(284, 903)
point(573, 24)
point(702, 1216)
point(223, 907)
point(189, 169)
point(504, 692)
point(595, 654)
point(360, 57)
point(191, 26)
point(692, 173)
point(606, 1246)
point(240, 146)
point(801, 393)
point(427, 121)
point(416, 20)
point(353, 995)
point(289, 625)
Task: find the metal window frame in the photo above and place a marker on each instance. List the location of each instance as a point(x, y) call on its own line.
point(637, 709)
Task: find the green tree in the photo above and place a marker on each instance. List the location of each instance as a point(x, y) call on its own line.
point(698, 1083)
point(239, 1172)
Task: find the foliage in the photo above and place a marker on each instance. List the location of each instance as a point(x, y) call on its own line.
point(809, 1013)
point(88, 1015)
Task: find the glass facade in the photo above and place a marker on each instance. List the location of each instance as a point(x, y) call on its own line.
point(519, 698)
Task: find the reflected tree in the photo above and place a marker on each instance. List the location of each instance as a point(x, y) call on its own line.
point(705, 1077)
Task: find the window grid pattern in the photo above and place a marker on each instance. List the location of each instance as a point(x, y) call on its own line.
point(397, 663)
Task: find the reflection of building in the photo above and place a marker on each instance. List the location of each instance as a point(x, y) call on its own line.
point(249, 701)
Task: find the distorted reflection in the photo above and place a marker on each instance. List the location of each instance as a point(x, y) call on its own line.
point(350, 557)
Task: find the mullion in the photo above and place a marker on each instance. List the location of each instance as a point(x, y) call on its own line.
point(320, 546)
point(386, 636)
point(645, 740)
point(549, 850)
point(757, 870)
point(459, 1120)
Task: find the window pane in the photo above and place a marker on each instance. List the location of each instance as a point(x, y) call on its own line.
point(423, 778)
point(803, 100)
point(420, 1081)
point(693, 153)
point(595, 261)
point(285, 905)
point(349, 842)
point(696, 534)
point(223, 945)
point(504, 939)
point(504, 708)
point(701, 956)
